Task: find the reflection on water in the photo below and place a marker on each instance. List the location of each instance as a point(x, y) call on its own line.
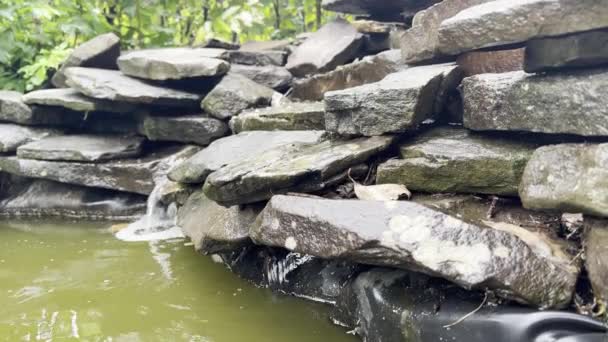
point(76, 282)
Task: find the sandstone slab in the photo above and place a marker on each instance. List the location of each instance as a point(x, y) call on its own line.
point(569, 103)
point(42, 199)
point(456, 161)
point(233, 149)
point(129, 175)
point(421, 41)
point(495, 62)
point(290, 168)
point(336, 43)
point(13, 136)
point(83, 148)
point(196, 129)
point(507, 22)
point(570, 178)
point(74, 100)
point(260, 58)
point(114, 86)
point(171, 64)
point(587, 49)
point(398, 103)
point(12, 107)
point(213, 228)
point(292, 116)
point(519, 265)
point(271, 76)
point(99, 52)
point(234, 94)
point(368, 70)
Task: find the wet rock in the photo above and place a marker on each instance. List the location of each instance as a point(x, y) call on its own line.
point(114, 86)
point(398, 103)
point(492, 24)
point(529, 268)
point(99, 52)
point(271, 76)
point(421, 41)
point(569, 103)
point(294, 116)
point(234, 94)
point(294, 274)
point(368, 70)
point(13, 136)
point(196, 129)
point(72, 99)
point(235, 148)
point(495, 62)
point(43, 198)
point(290, 168)
point(568, 178)
point(213, 228)
point(596, 256)
point(260, 58)
point(384, 10)
point(456, 161)
point(336, 43)
point(129, 175)
point(587, 49)
point(172, 64)
point(83, 148)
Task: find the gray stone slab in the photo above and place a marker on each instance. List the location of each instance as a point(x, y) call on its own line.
point(196, 129)
point(13, 136)
point(292, 116)
point(74, 100)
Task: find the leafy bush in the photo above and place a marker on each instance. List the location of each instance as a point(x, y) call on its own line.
point(36, 35)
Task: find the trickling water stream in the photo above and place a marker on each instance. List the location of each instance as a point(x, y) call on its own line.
point(76, 282)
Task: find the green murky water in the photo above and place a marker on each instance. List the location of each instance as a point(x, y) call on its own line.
point(68, 282)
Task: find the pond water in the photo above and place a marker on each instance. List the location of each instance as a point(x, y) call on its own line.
point(76, 282)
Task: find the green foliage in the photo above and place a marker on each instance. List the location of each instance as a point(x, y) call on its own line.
point(36, 35)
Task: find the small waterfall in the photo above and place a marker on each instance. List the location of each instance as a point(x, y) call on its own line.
point(159, 223)
point(278, 270)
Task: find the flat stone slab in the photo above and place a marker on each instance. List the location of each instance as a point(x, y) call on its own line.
point(569, 178)
point(130, 175)
point(456, 161)
point(172, 64)
point(579, 50)
point(74, 100)
point(271, 76)
point(234, 94)
point(495, 62)
point(99, 52)
point(568, 103)
point(213, 228)
point(42, 199)
point(196, 129)
point(421, 41)
point(336, 43)
point(292, 116)
point(13, 109)
point(296, 167)
point(260, 58)
point(13, 136)
point(398, 103)
point(368, 70)
point(529, 268)
point(235, 148)
point(378, 9)
point(114, 86)
point(492, 24)
point(84, 148)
